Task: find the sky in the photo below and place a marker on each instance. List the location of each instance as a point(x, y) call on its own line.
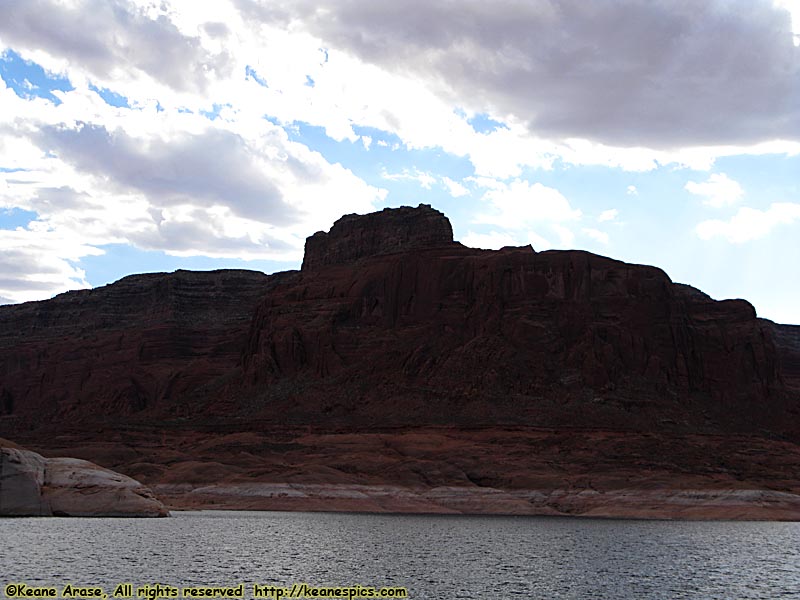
point(141, 136)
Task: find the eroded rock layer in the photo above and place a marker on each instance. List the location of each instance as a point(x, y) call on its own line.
point(393, 328)
point(145, 342)
point(392, 230)
point(452, 335)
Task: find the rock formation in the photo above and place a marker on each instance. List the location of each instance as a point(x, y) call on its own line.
point(392, 230)
point(460, 336)
point(34, 486)
point(391, 347)
point(145, 341)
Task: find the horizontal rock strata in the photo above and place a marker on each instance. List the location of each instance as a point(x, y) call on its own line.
point(629, 503)
point(556, 370)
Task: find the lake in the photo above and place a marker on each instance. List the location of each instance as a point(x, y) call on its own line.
point(436, 557)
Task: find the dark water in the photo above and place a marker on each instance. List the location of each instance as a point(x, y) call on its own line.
point(440, 557)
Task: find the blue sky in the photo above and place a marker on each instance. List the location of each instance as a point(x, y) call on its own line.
point(138, 136)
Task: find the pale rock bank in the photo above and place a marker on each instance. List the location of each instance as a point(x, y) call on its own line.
point(629, 503)
point(35, 486)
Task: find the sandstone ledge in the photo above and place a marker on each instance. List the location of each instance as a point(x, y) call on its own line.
point(34, 486)
point(630, 503)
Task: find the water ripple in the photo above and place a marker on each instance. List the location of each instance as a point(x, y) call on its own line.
point(433, 556)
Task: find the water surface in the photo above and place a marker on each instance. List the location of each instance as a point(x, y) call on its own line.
point(436, 557)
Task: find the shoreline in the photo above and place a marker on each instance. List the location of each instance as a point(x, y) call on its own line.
point(628, 503)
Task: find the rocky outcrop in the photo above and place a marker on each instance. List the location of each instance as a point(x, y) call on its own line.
point(497, 470)
point(787, 345)
point(21, 481)
point(391, 323)
point(392, 230)
point(145, 343)
point(479, 338)
point(31, 485)
point(391, 328)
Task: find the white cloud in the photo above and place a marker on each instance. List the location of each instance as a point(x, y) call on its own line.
point(216, 167)
point(426, 180)
point(111, 41)
point(538, 242)
point(374, 77)
point(486, 182)
point(419, 71)
point(645, 65)
point(566, 237)
point(793, 6)
point(719, 190)
point(37, 263)
point(456, 189)
point(520, 205)
point(493, 240)
point(159, 179)
point(608, 215)
point(632, 191)
point(596, 235)
point(194, 55)
point(262, 192)
point(749, 223)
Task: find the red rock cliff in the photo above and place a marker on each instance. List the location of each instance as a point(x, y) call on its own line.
point(392, 230)
point(447, 334)
point(145, 341)
point(399, 357)
point(391, 323)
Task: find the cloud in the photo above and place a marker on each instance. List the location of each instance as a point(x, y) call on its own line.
point(664, 84)
point(596, 235)
point(632, 191)
point(608, 215)
point(793, 7)
point(654, 70)
point(566, 237)
point(659, 74)
point(520, 205)
point(182, 232)
point(157, 173)
point(456, 189)
point(749, 223)
point(35, 264)
point(719, 190)
point(213, 167)
point(112, 40)
point(158, 179)
point(486, 182)
point(426, 180)
point(523, 210)
point(493, 240)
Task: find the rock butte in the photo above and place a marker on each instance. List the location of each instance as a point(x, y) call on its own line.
point(399, 370)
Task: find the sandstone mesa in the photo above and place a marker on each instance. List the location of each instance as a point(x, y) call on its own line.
point(399, 370)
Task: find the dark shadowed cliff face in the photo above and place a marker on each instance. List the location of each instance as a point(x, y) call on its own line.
point(392, 323)
point(397, 356)
point(392, 230)
point(787, 345)
point(145, 341)
point(448, 334)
